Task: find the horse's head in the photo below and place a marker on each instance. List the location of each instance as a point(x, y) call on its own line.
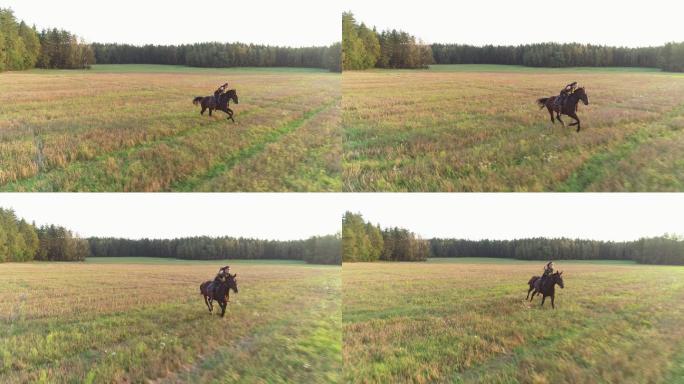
point(232, 95)
point(558, 279)
point(582, 95)
point(232, 282)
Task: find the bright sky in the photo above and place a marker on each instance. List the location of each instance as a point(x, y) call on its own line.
point(160, 215)
point(503, 22)
point(273, 22)
point(611, 216)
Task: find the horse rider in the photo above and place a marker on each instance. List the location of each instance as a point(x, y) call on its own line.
point(548, 270)
point(564, 93)
point(219, 92)
point(221, 277)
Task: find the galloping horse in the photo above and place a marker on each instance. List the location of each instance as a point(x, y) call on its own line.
point(209, 102)
point(546, 287)
point(220, 293)
point(568, 108)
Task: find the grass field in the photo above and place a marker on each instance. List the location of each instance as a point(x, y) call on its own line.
point(143, 320)
point(134, 128)
point(466, 321)
point(478, 128)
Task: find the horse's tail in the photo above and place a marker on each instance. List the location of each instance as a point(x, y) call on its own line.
point(197, 100)
point(532, 280)
point(542, 102)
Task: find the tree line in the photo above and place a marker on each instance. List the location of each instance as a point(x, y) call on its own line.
point(21, 241)
point(669, 57)
point(316, 250)
point(23, 47)
point(667, 249)
point(220, 55)
point(364, 48)
point(363, 241)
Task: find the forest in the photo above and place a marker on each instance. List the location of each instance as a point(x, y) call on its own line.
point(220, 55)
point(23, 47)
point(363, 241)
point(364, 48)
point(666, 249)
point(21, 241)
point(315, 250)
point(669, 57)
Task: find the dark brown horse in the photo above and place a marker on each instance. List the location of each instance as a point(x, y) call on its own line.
point(219, 291)
point(546, 287)
point(568, 108)
point(210, 103)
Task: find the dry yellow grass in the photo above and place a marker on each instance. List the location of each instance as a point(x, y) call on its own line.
point(71, 322)
point(467, 321)
point(459, 128)
point(135, 129)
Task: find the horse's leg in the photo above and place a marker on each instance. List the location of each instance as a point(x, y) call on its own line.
point(551, 114)
point(533, 295)
point(223, 308)
point(210, 110)
point(230, 114)
point(528, 292)
point(543, 299)
point(574, 116)
point(203, 109)
point(552, 299)
point(207, 303)
point(561, 121)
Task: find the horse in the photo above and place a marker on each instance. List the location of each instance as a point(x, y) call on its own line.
point(568, 108)
point(209, 102)
point(548, 288)
point(220, 292)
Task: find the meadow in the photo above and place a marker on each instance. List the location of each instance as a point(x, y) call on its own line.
point(134, 128)
point(478, 128)
point(467, 321)
point(143, 320)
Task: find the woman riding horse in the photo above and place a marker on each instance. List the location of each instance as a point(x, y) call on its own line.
point(219, 92)
point(569, 89)
point(221, 277)
point(565, 104)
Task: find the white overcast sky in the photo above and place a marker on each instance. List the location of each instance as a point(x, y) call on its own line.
point(161, 215)
point(504, 22)
point(294, 216)
point(274, 22)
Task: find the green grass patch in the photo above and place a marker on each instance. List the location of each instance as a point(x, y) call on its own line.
point(523, 69)
point(161, 260)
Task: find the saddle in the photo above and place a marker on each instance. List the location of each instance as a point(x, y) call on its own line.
point(538, 283)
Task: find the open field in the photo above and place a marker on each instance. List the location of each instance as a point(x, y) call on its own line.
point(466, 321)
point(134, 128)
point(146, 322)
point(478, 128)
